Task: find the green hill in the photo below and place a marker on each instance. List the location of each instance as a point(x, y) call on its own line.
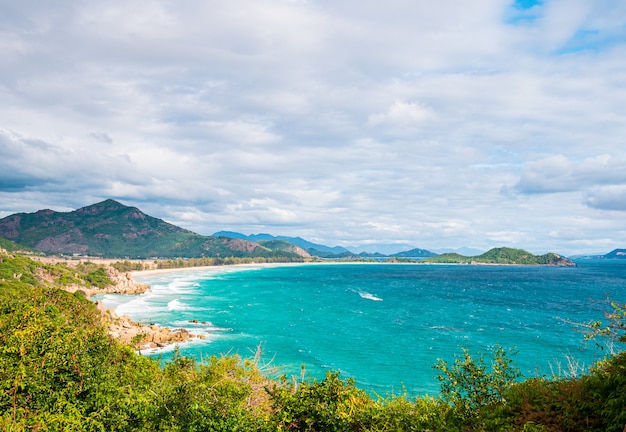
point(11, 246)
point(502, 256)
point(284, 246)
point(111, 229)
point(415, 253)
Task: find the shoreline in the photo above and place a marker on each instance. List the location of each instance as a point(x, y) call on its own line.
point(155, 338)
point(152, 272)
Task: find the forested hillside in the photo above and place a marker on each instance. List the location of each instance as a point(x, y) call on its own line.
point(111, 229)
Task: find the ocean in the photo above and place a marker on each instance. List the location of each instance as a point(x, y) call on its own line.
point(385, 325)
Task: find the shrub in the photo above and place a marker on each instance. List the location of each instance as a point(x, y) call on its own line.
point(327, 405)
point(470, 384)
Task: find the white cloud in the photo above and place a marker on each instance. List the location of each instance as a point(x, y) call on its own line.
point(557, 173)
point(403, 114)
point(341, 121)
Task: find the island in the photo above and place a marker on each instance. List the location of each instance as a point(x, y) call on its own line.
point(502, 256)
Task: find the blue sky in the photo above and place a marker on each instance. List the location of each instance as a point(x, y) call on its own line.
point(425, 124)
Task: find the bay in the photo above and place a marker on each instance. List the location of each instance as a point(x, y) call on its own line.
point(385, 325)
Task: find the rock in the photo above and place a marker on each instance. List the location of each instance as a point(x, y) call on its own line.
point(124, 329)
point(101, 308)
point(123, 283)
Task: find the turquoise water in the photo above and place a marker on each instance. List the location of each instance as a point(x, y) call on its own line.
point(385, 324)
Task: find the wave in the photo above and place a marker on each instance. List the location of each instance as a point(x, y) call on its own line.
point(176, 305)
point(369, 296)
point(137, 306)
point(180, 286)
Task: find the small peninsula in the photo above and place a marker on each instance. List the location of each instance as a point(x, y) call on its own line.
point(502, 256)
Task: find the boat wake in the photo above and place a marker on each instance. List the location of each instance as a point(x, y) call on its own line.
point(369, 296)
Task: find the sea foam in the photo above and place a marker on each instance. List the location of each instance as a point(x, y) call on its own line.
point(369, 296)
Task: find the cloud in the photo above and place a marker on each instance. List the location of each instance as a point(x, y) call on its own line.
point(339, 121)
point(402, 114)
point(101, 136)
point(551, 174)
point(28, 163)
point(607, 198)
point(557, 173)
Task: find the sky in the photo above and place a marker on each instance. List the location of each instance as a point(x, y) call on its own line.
point(411, 123)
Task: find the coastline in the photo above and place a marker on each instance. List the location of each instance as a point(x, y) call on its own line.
point(155, 337)
point(152, 272)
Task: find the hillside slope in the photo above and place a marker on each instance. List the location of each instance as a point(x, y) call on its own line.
point(111, 229)
point(310, 247)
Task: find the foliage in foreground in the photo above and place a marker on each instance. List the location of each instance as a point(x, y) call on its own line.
point(59, 370)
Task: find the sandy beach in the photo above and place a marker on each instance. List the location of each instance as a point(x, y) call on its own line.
point(150, 272)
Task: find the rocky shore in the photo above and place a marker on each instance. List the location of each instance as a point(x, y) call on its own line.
point(125, 330)
point(122, 328)
point(142, 336)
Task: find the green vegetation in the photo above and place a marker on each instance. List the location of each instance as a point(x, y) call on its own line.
point(11, 246)
point(31, 272)
point(502, 256)
point(128, 266)
point(60, 370)
point(110, 229)
point(470, 385)
point(206, 261)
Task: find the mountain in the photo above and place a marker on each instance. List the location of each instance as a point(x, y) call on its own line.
point(616, 254)
point(415, 253)
point(284, 246)
point(504, 255)
point(312, 248)
point(387, 249)
point(336, 252)
point(111, 229)
point(467, 251)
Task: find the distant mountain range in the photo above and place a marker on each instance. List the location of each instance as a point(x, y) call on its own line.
point(326, 251)
point(467, 251)
point(616, 254)
point(111, 229)
point(312, 248)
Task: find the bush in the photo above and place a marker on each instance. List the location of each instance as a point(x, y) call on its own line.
point(126, 266)
point(327, 405)
point(555, 405)
point(469, 385)
point(220, 395)
point(606, 392)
